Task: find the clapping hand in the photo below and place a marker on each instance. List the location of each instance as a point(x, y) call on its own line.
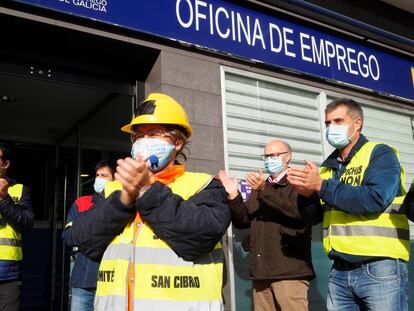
point(4, 186)
point(305, 180)
point(133, 174)
point(255, 180)
point(231, 185)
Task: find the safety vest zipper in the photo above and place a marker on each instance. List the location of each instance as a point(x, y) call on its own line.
point(137, 225)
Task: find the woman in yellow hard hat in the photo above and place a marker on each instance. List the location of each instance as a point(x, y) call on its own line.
point(159, 230)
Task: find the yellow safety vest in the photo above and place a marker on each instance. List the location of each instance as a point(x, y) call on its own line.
point(10, 240)
point(163, 281)
point(385, 234)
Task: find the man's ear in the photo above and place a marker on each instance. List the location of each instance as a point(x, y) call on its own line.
point(358, 122)
point(288, 158)
point(178, 145)
point(6, 164)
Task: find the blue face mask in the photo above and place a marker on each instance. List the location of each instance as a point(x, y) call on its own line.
point(157, 151)
point(274, 165)
point(99, 184)
point(337, 135)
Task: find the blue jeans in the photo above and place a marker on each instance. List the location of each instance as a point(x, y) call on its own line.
point(82, 299)
point(378, 286)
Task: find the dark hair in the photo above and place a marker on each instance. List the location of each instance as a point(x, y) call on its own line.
point(177, 133)
point(106, 163)
point(7, 153)
point(355, 109)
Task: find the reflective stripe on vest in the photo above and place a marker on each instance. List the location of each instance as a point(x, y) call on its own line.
point(10, 240)
point(163, 281)
point(383, 234)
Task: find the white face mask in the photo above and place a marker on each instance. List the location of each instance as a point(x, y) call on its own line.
point(337, 135)
point(157, 151)
point(99, 184)
point(274, 165)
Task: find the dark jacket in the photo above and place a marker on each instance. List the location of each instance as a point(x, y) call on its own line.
point(19, 216)
point(85, 271)
point(409, 203)
point(381, 183)
point(191, 227)
point(280, 241)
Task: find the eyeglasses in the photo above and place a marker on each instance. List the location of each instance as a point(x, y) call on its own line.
point(273, 155)
point(152, 133)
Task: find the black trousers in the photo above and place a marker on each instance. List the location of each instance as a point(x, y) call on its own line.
point(10, 295)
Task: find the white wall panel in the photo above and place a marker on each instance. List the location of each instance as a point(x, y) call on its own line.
point(259, 111)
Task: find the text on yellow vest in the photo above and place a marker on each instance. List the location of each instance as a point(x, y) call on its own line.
point(160, 274)
point(383, 234)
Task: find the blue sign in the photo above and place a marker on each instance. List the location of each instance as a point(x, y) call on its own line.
point(227, 28)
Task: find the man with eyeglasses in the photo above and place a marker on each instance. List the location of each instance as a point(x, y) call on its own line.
point(159, 231)
point(16, 218)
point(280, 241)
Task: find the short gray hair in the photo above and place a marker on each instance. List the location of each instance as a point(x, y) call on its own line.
point(355, 109)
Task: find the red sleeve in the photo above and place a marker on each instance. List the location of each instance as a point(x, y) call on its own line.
point(84, 203)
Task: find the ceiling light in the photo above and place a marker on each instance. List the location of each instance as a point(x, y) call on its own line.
point(7, 99)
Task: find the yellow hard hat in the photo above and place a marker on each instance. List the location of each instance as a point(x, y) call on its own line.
point(159, 108)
